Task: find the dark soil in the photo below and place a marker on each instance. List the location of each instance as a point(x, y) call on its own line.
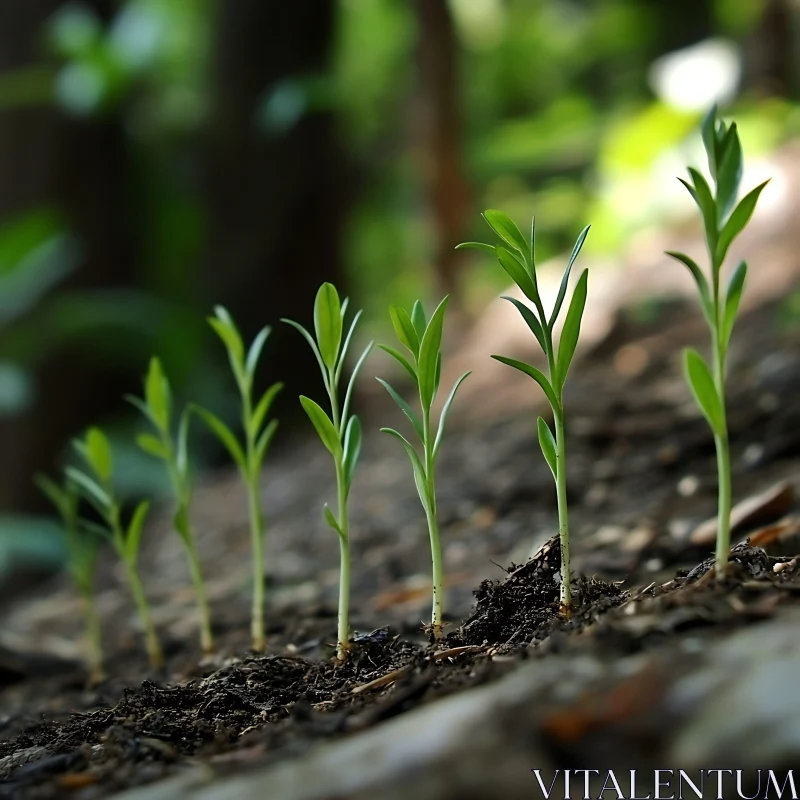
point(640, 582)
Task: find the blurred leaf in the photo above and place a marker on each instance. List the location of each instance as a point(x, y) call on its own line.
point(548, 445)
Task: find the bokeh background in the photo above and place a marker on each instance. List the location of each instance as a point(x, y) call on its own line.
point(161, 156)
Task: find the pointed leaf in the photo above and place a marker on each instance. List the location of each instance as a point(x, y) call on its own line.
point(182, 443)
point(352, 448)
point(223, 434)
point(348, 395)
point(732, 299)
point(418, 318)
point(157, 394)
point(445, 411)
point(416, 466)
point(709, 131)
point(429, 355)
point(254, 353)
point(531, 319)
point(708, 208)
point(518, 273)
point(224, 328)
point(262, 444)
point(737, 221)
point(263, 407)
point(534, 373)
point(404, 329)
point(702, 284)
point(98, 454)
point(328, 324)
point(91, 489)
point(152, 446)
point(343, 307)
point(487, 248)
point(705, 394)
point(133, 538)
point(331, 519)
point(404, 407)
point(571, 331)
point(548, 445)
point(345, 347)
point(323, 425)
point(398, 356)
point(55, 494)
point(310, 339)
point(141, 406)
point(507, 230)
point(562, 289)
point(729, 173)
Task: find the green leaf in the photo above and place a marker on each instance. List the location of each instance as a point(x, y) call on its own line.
point(328, 324)
point(562, 289)
point(91, 489)
point(534, 373)
point(352, 448)
point(157, 394)
point(152, 446)
point(737, 220)
point(330, 519)
point(262, 444)
point(223, 434)
point(404, 407)
point(182, 444)
point(429, 355)
point(141, 406)
point(705, 394)
point(709, 130)
point(98, 454)
point(418, 318)
point(404, 329)
point(323, 425)
point(708, 208)
point(548, 445)
point(702, 284)
point(56, 495)
point(345, 347)
point(532, 321)
point(416, 466)
point(310, 339)
point(570, 333)
point(732, 298)
point(263, 407)
point(133, 538)
point(518, 273)
point(729, 173)
point(343, 307)
point(398, 356)
point(349, 392)
point(507, 230)
point(180, 521)
point(254, 353)
point(224, 327)
point(487, 248)
point(445, 411)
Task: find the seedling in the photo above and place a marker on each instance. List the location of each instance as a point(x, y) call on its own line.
point(258, 434)
point(172, 450)
point(423, 340)
point(98, 489)
point(81, 560)
point(723, 221)
point(516, 257)
point(340, 432)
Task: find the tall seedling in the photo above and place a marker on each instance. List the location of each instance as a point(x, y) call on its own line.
point(516, 257)
point(423, 340)
point(340, 432)
point(172, 450)
point(98, 490)
point(258, 434)
point(723, 221)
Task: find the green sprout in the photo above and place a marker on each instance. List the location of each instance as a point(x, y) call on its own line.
point(723, 221)
point(98, 489)
point(340, 432)
point(258, 434)
point(516, 257)
point(81, 559)
point(423, 340)
point(172, 450)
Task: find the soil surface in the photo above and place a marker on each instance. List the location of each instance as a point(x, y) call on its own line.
point(642, 483)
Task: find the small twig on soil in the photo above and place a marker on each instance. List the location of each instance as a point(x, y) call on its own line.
point(384, 680)
point(457, 651)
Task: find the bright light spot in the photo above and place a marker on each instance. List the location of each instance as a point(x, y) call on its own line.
point(481, 22)
point(694, 78)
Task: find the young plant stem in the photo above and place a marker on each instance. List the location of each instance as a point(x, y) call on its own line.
point(203, 608)
point(721, 442)
point(343, 630)
point(151, 637)
point(93, 639)
point(563, 512)
point(257, 540)
point(433, 527)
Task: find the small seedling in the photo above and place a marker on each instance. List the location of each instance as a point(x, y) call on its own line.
point(423, 340)
point(723, 221)
point(258, 434)
point(81, 559)
point(516, 257)
point(98, 489)
point(172, 450)
point(340, 432)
